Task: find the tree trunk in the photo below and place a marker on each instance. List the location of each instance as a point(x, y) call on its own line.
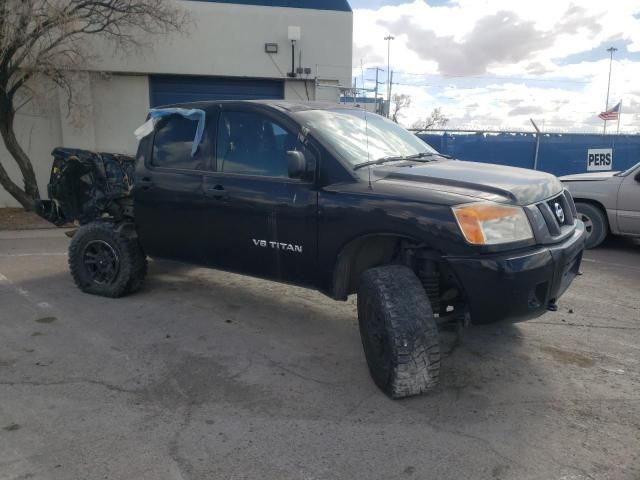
point(30, 194)
point(25, 200)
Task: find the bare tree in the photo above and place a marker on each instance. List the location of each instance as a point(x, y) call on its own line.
point(399, 101)
point(435, 119)
point(50, 39)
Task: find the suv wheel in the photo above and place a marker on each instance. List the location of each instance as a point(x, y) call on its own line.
point(595, 223)
point(105, 262)
point(398, 331)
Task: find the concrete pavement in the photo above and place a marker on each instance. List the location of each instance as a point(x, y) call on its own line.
point(210, 375)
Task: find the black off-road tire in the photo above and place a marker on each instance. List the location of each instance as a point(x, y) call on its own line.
point(398, 331)
point(595, 222)
point(140, 268)
point(128, 261)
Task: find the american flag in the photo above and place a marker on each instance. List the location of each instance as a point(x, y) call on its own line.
point(612, 113)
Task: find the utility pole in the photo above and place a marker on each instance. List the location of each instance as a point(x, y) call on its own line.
point(606, 106)
point(388, 38)
point(390, 89)
point(375, 92)
point(378, 82)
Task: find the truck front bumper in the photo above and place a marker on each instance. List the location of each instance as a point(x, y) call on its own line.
point(518, 286)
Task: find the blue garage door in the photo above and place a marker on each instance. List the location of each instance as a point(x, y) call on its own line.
point(168, 89)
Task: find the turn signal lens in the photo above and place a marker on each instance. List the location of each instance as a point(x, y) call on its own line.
point(492, 224)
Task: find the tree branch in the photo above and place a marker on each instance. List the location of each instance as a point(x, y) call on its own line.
point(48, 38)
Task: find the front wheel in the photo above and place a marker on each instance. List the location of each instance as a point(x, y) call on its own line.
point(595, 223)
point(105, 262)
point(399, 334)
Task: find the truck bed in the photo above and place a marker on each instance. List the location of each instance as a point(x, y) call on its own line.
point(86, 185)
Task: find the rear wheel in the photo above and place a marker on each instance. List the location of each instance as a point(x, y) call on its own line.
point(105, 262)
point(140, 268)
point(595, 223)
point(399, 334)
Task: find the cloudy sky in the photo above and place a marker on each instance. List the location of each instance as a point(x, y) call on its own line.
point(497, 63)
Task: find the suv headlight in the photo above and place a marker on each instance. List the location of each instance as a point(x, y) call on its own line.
point(488, 223)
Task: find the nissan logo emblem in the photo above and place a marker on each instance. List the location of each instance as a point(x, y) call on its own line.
point(559, 212)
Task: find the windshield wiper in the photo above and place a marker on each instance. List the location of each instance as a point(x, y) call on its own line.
point(380, 161)
point(422, 156)
point(427, 154)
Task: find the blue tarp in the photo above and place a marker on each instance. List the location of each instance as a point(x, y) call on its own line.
point(156, 114)
point(194, 114)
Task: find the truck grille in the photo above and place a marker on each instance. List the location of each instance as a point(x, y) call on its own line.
point(559, 215)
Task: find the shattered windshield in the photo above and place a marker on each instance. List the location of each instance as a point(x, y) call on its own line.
point(358, 140)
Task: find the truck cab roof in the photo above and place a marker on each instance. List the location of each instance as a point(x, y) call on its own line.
point(289, 106)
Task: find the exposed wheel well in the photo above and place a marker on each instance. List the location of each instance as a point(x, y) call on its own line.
point(371, 251)
point(359, 255)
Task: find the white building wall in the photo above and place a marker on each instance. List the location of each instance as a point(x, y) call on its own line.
point(38, 131)
point(76, 120)
point(223, 40)
point(228, 40)
point(107, 111)
point(120, 105)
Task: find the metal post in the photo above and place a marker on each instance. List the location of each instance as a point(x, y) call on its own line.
point(388, 38)
point(390, 89)
point(375, 94)
point(535, 157)
point(606, 106)
point(619, 115)
point(376, 90)
point(364, 85)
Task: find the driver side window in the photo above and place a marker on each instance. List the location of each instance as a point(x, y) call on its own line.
point(252, 144)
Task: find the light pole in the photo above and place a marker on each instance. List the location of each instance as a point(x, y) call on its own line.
point(606, 106)
point(388, 38)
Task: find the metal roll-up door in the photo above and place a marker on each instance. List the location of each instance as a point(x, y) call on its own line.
point(169, 89)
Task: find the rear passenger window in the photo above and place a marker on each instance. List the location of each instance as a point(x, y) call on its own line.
point(252, 144)
point(173, 141)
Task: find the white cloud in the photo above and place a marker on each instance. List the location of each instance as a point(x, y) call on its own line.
point(461, 46)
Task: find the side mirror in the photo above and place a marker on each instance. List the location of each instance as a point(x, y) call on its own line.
point(637, 177)
point(297, 164)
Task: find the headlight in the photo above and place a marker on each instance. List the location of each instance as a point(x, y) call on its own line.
point(488, 223)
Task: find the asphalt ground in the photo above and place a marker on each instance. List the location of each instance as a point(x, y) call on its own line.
point(210, 375)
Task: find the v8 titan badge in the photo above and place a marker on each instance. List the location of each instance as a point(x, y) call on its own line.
point(288, 247)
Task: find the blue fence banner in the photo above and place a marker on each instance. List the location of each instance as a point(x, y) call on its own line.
point(558, 153)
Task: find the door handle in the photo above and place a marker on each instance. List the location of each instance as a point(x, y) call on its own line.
point(217, 193)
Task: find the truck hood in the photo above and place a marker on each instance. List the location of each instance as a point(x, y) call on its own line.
point(479, 180)
point(588, 177)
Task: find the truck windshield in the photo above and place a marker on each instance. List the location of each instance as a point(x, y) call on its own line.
point(357, 141)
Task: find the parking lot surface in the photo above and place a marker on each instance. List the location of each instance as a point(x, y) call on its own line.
point(210, 375)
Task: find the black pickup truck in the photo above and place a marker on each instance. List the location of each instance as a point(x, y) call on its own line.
point(331, 198)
